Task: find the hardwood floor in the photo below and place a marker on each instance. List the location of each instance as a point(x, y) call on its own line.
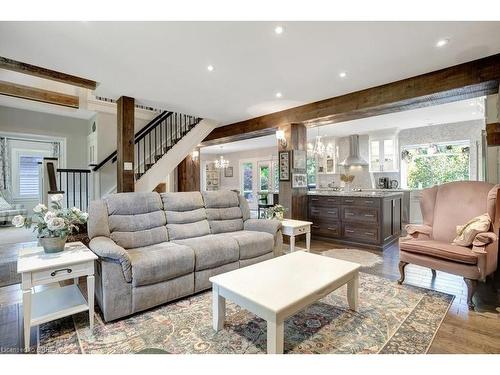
point(462, 331)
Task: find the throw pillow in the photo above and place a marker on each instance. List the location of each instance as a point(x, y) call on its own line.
point(466, 233)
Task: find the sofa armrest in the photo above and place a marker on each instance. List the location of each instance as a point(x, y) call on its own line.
point(271, 226)
point(106, 248)
point(419, 231)
point(263, 225)
point(484, 238)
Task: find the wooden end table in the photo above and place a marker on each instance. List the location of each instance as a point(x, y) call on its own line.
point(38, 268)
point(293, 228)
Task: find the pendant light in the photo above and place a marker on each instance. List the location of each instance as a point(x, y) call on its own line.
point(221, 163)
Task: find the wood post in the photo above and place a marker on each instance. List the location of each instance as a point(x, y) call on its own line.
point(125, 145)
point(188, 173)
point(294, 199)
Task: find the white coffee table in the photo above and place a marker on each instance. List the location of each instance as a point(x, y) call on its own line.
point(39, 268)
point(293, 228)
point(279, 288)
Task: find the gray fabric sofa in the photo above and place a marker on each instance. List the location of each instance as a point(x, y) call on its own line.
point(154, 248)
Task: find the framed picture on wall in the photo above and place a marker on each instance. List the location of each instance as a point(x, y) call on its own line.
point(228, 172)
point(299, 180)
point(284, 165)
point(299, 159)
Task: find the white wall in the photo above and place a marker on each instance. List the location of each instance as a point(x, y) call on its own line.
point(13, 120)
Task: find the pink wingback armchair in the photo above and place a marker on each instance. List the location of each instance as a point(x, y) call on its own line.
point(431, 244)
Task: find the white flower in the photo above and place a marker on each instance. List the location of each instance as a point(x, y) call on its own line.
point(18, 221)
point(57, 198)
point(84, 216)
point(76, 210)
point(39, 208)
point(49, 216)
point(56, 223)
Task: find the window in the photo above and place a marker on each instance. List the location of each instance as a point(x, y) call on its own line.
point(29, 175)
point(264, 177)
point(247, 180)
point(433, 164)
point(311, 170)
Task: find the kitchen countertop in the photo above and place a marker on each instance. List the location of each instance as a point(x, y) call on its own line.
point(361, 194)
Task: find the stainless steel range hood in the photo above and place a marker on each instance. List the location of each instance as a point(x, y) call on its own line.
point(353, 159)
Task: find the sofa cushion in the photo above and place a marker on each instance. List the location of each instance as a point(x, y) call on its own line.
point(253, 244)
point(438, 249)
point(185, 214)
point(223, 211)
point(213, 250)
point(133, 203)
point(160, 262)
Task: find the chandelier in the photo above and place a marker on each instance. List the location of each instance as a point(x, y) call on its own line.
point(319, 147)
point(221, 163)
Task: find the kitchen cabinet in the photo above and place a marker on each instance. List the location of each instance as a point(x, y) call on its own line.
point(384, 154)
point(372, 220)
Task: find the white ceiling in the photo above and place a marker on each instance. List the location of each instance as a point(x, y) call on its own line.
point(164, 64)
point(466, 110)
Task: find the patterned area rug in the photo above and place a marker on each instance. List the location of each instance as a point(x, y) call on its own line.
point(365, 258)
point(391, 319)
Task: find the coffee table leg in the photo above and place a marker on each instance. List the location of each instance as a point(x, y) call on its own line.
point(292, 243)
point(218, 308)
point(352, 292)
point(275, 332)
point(308, 241)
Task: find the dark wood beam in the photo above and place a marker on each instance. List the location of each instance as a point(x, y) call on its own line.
point(125, 145)
point(39, 95)
point(188, 174)
point(468, 80)
point(37, 71)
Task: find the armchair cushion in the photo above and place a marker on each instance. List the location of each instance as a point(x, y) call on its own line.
point(441, 250)
point(467, 233)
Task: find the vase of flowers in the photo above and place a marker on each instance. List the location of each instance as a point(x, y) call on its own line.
point(276, 212)
point(54, 225)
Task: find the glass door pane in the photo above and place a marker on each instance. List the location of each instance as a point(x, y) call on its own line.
point(264, 176)
point(388, 155)
point(247, 181)
point(375, 156)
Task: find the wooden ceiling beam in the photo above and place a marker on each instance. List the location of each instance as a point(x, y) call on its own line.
point(468, 80)
point(38, 95)
point(37, 71)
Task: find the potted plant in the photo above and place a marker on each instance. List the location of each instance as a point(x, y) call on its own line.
point(276, 211)
point(52, 225)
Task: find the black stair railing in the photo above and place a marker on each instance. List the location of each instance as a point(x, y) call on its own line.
point(156, 139)
point(74, 184)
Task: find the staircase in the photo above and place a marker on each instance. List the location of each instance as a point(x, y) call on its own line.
point(157, 139)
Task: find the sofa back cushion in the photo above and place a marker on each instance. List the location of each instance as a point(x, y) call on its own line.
point(223, 211)
point(456, 204)
point(185, 214)
point(136, 219)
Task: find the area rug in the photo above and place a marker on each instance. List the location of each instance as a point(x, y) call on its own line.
point(391, 319)
point(365, 258)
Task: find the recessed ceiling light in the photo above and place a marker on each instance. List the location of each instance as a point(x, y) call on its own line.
point(210, 68)
point(442, 42)
point(278, 30)
point(343, 74)
point(279, 94)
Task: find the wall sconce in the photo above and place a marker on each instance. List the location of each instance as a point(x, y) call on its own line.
point(195, 155)
point(280, 136)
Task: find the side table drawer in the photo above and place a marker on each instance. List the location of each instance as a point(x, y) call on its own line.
point(61, 273)
point(301, 230)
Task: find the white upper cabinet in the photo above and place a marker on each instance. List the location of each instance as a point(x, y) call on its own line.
point(384, 153)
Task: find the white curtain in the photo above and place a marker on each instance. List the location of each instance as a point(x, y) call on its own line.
point(4, 165)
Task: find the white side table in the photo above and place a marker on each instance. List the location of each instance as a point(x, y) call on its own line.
point(294, 228)
point(39, 268)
